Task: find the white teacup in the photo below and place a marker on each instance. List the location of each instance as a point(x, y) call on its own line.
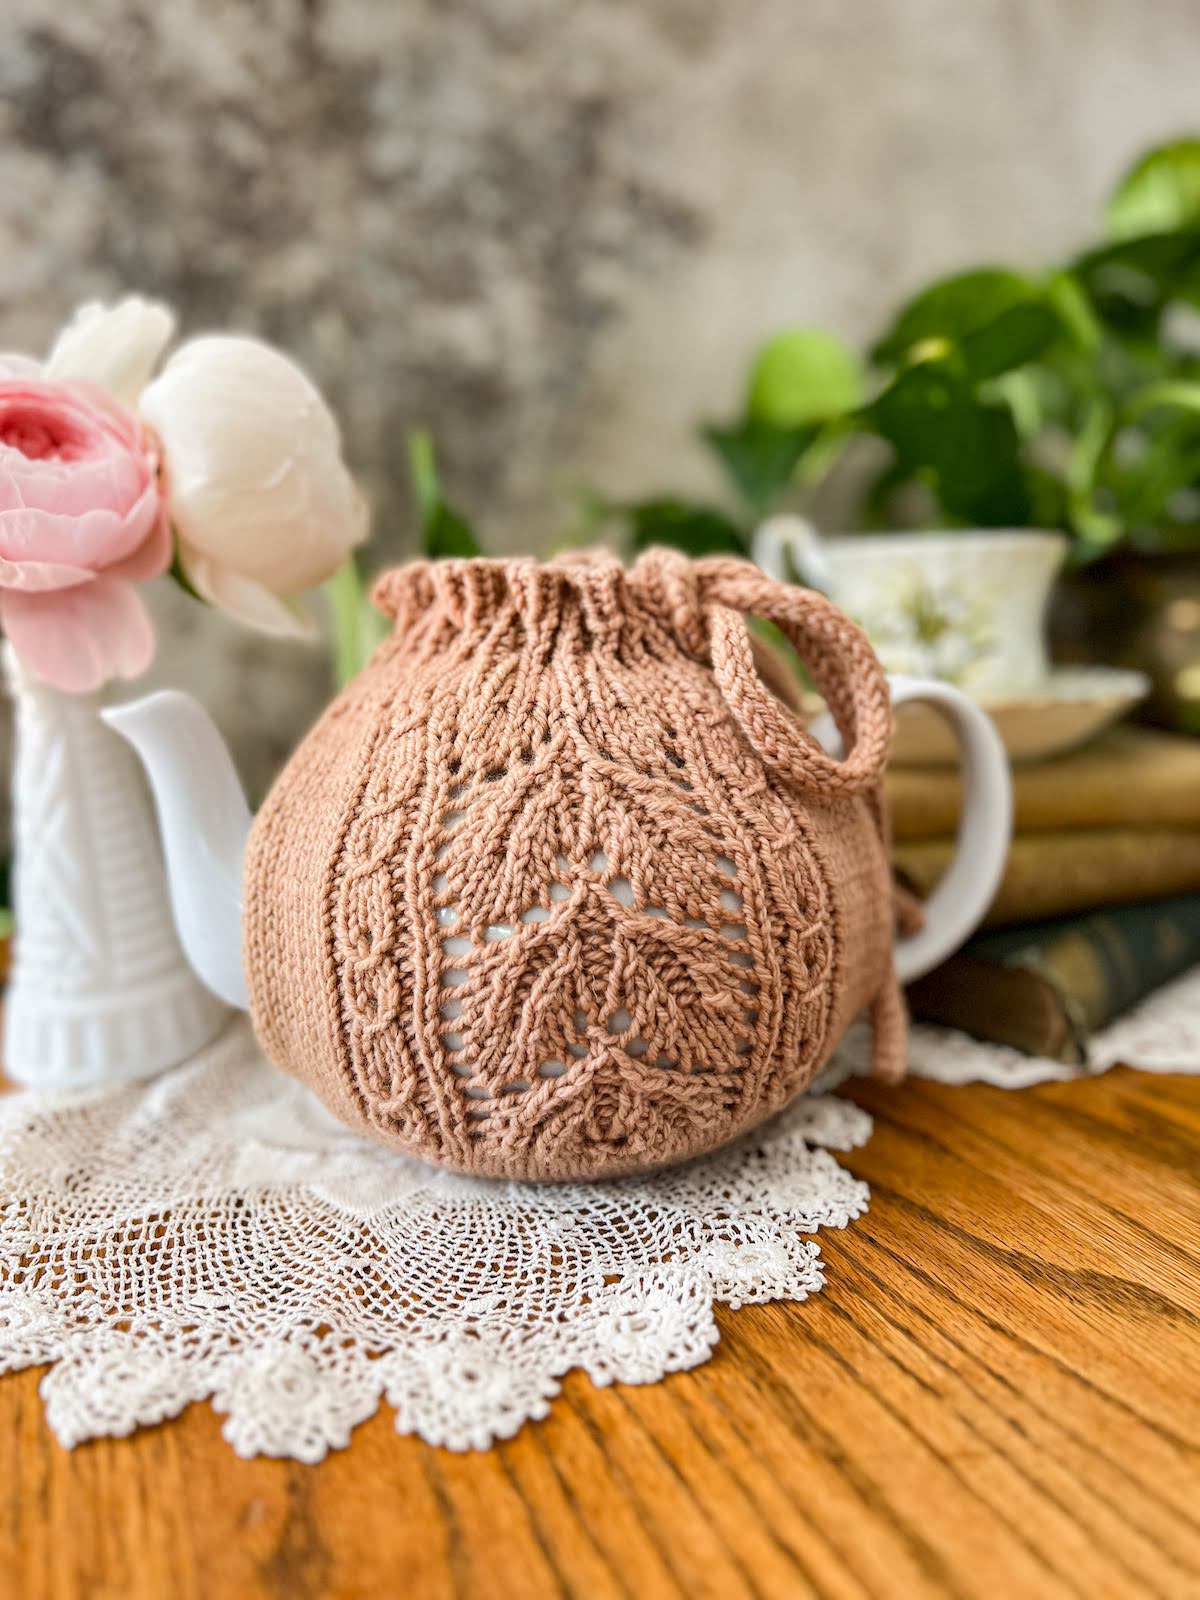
point(967, 607)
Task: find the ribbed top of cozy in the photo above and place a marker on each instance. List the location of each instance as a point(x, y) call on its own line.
point(557, 888)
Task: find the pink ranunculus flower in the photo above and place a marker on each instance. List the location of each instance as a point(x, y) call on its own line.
point(81, 520)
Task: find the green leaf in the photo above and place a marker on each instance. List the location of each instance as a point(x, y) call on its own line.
point(950, 311)
point(446, 534)
point(1097, 526)
point(357, 627)
point(759, 458)
point(1016, 336)
point(1074, 310)
point(699, 530)
point(176, 572)
point(1159, 194)
point(1022, 394)
point(443, 531)
point(802, 376)
point(969, 449)
point(1130, 281)
point(1178, 394)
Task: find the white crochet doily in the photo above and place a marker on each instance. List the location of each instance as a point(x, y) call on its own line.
point(215, 1234)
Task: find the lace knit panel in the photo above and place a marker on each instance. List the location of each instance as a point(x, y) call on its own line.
point(574, 924)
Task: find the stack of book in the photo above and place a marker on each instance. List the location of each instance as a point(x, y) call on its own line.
point(1100, 901)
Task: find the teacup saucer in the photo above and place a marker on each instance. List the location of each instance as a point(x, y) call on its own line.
point(1071, 707)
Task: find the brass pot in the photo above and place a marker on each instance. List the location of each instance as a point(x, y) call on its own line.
point(1138, 611)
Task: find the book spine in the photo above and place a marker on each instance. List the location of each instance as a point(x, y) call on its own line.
point(1103, 963)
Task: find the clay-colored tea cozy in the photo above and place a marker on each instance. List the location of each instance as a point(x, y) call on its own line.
point(557, 888)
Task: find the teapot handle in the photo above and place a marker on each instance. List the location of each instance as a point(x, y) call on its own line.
point(786, 547)
point(960, 901)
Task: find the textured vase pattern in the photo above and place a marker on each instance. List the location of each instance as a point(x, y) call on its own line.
point(100, 988)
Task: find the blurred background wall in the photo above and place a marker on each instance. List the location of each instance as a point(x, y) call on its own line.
point(553, 232)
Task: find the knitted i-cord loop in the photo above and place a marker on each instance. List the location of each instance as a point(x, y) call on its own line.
point(837, 652)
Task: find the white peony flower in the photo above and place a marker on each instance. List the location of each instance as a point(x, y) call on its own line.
point(116, 346)
point(260, 497)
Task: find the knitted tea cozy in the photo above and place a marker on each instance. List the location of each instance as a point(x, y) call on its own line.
point(557, 888)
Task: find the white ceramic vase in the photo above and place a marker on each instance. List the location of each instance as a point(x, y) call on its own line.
point(100, 989)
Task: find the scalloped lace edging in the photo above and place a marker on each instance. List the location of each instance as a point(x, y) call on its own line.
point(215, 1234)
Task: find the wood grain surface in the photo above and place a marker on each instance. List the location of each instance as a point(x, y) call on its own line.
point(997, 1395)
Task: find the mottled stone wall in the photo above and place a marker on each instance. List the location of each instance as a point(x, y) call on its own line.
point(552, 231)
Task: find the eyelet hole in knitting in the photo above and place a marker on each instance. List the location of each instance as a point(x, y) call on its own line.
point(722, 920)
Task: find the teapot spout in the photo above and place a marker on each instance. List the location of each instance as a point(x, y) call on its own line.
point(204, 821)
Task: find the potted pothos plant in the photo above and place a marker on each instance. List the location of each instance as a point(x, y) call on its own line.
point(1064, 399)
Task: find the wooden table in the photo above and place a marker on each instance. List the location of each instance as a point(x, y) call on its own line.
point(995, 1396)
